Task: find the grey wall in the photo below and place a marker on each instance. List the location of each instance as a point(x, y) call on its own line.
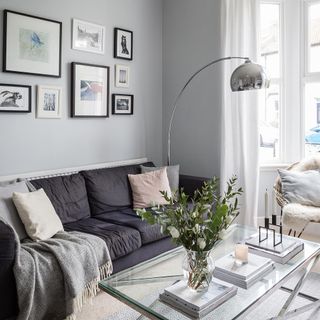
point(30, 144)
point(191, 38)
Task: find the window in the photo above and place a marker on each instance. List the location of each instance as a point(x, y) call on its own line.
point(269, 99)
point(290, 54)
point(312, 79)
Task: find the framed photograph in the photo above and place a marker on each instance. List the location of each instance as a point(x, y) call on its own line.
point(123, 44)
point(122, 76)
point(90, 90)
point(15, 98)
point(31, 45)
point(87, 36)
point(122, 104)
point(49, 102)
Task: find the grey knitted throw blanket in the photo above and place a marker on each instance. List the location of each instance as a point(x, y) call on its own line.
point(56, 277)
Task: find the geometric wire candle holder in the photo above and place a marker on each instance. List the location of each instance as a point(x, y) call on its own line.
point(267, 229)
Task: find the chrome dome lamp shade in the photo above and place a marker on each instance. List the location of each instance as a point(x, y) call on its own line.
point(248, 76)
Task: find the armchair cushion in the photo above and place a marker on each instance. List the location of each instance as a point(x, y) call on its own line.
point(301, 187)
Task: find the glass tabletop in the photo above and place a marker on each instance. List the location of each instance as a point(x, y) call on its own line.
point(140, 286)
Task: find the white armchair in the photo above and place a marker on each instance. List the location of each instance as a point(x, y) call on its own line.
point(297, 216)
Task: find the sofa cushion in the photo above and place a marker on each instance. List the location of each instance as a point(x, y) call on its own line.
point(120, 240)
point(37, 214)
point(147, 188)
point(109, 189)
point(8, 211)
point(128, 217)
point(68, 195)
point(172, 172)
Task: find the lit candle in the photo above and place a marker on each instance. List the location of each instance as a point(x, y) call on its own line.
point(241, 253)
point(266, 200)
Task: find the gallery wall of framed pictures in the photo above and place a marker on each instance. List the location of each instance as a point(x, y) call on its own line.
point(32, 45)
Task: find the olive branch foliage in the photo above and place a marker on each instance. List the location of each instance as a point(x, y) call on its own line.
point(197, 222)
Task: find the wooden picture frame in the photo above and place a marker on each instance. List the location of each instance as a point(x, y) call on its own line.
point(90, 90)
point(31, 44)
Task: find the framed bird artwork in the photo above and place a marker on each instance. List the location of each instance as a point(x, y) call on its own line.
point(31, 44)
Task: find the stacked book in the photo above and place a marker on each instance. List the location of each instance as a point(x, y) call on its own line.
point(197, 305)
point(242, 275)
point(281, 253)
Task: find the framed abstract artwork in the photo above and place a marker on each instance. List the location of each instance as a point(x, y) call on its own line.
point(31, 44)
point(87, 36)
point(123, 44)
point(90, 90)
point(122, 104)
point(122, 76)
point(15, 98)
point(49, 102)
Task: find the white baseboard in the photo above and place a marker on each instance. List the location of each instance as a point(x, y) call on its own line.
point(72, 169)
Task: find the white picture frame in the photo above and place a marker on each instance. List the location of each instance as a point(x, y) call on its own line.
point(122, 76)
point(49, 102)
point(88, 36)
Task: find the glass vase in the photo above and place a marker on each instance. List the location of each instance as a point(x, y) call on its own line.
point(198, 268)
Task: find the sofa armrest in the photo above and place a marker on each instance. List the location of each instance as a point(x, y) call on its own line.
point(191, 183)
point(8, 296)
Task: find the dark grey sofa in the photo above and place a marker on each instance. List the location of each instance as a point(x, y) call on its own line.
point(98, 202)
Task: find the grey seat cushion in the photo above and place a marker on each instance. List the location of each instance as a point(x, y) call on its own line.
point(172, 172)
point(120, 240)
point(128, 217)
point(8, 211)
point(68, 195)
point(301, 187)
point(109, 188)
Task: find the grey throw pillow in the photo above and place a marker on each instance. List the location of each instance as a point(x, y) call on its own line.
point(172, 172)
point(8, 211)
point(301, 187)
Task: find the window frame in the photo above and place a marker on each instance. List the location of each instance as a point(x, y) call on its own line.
point(306, 76)
point(278, 81)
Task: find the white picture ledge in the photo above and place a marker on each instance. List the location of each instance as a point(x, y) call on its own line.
point(40, 174)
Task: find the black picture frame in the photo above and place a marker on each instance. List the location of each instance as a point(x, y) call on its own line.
point(13, 108)
point(118, 44)
point(76, 95)
point(9, 42)
point(115, 109)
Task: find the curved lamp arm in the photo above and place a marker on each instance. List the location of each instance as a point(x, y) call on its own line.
point(249, 77)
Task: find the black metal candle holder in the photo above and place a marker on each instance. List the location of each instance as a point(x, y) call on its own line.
point(267, 228)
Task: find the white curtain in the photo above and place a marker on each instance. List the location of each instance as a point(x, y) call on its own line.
point(240, 134)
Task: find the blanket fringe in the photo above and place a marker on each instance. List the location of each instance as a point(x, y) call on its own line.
point(90, 290)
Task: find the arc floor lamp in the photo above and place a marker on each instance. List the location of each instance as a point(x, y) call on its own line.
point(247, 76)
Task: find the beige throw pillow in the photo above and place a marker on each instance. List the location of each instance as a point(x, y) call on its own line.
point(146, 188)
point(37, 214)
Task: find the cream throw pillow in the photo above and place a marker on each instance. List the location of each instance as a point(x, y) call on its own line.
point(146, 188)
point(37, 214)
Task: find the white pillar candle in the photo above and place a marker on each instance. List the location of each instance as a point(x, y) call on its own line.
point(274, 202)
point(266, 200)
point(241, 253)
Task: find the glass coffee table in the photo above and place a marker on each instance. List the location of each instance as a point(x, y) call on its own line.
point(139, 287)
